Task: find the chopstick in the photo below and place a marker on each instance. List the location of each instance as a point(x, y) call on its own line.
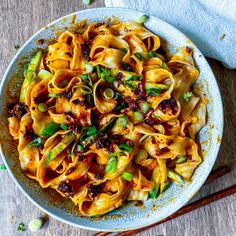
point(193, 206)
point(215, 174)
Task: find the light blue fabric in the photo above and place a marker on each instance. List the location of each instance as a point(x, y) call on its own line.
point(210, 24)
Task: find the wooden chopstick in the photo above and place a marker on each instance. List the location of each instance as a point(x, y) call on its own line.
point(215, 174)
point(193, 206)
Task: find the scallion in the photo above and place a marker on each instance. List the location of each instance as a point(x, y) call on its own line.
point(91, 131)
point(50, 129)
point(42, 107)
point(144, 106)
point(125, 148)
point(98, 69)
point(181, 159)
point(127, 176)
point(35, 224)
point(140, 56)
point(187, 96)
point(143, 19)
point(35, 142)
point(80, 147)
point(152, 54)
point(173, 175)
point(3, 167)
point(54, 95)
point(138, 116)
point(124, 50)
point(122, 121)
point(30, 75)
point(108, 93)
point(111, 165)
point(87, 2)
point(64, 127)
point(44, 74)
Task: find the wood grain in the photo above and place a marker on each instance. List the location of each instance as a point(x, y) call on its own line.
point(21, 19)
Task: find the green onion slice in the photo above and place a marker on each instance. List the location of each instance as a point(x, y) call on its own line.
point(124, 50)
point(35, 224)
point(138, 116)
point(54, 95)
point(50, 129)
point(108, 78)
point(164, 187)
point(80, 147)
point(111, 165)
point(64, 127)
point(187, 96)
point(143, 19)
point(42, 107)
point(92, 130)
point(145, 106)
point(87, 2)
point(152, 54)
point(173, 175)
point(140, 56)
point(108, 93)
point(30, 75)
point(125, 148)
point(122, 121)
point(35, 142)
point(181, 159)
point(98, 69)
point(127, 176)
point(44, 74)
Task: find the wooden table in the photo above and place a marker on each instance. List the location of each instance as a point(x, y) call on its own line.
point(21, 19)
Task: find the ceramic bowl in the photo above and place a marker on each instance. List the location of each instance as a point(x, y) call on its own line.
point(128, 216)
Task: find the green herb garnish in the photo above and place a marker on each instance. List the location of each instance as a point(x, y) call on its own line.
point(64, 127)
point(111, 165)
point(124, 50)
point(125, 148)
point(140, 56)
point(127, 176)
point(42, 107)
point(21, 227)
point(143, 19)
point(3, 167)
point(35, 142)
point(50, 129)
point(187, 96)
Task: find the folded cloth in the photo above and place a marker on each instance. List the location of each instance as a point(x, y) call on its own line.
point(210, 24)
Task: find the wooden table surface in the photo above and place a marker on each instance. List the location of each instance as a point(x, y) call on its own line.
point(21, 19)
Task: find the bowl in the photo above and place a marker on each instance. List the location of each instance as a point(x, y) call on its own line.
point(128, 216)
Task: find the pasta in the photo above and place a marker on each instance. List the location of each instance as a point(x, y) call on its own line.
point(104, 117)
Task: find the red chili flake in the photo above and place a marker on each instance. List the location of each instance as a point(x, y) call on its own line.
point(66, 188)
point(98, 24)
point(162, 150)
point(17, 110)
point(40, 42)
point(188, 49)
point(169, 142)
point(168, 105)
point(99, 175)
point(50, 85)
point(93, 190)
point(70, 170)
point(189, 157)
point(126, 66)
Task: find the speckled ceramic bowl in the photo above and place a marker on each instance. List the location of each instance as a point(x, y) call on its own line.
point(129, 216)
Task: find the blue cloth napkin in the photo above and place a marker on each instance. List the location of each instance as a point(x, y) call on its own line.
point(210, 24)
